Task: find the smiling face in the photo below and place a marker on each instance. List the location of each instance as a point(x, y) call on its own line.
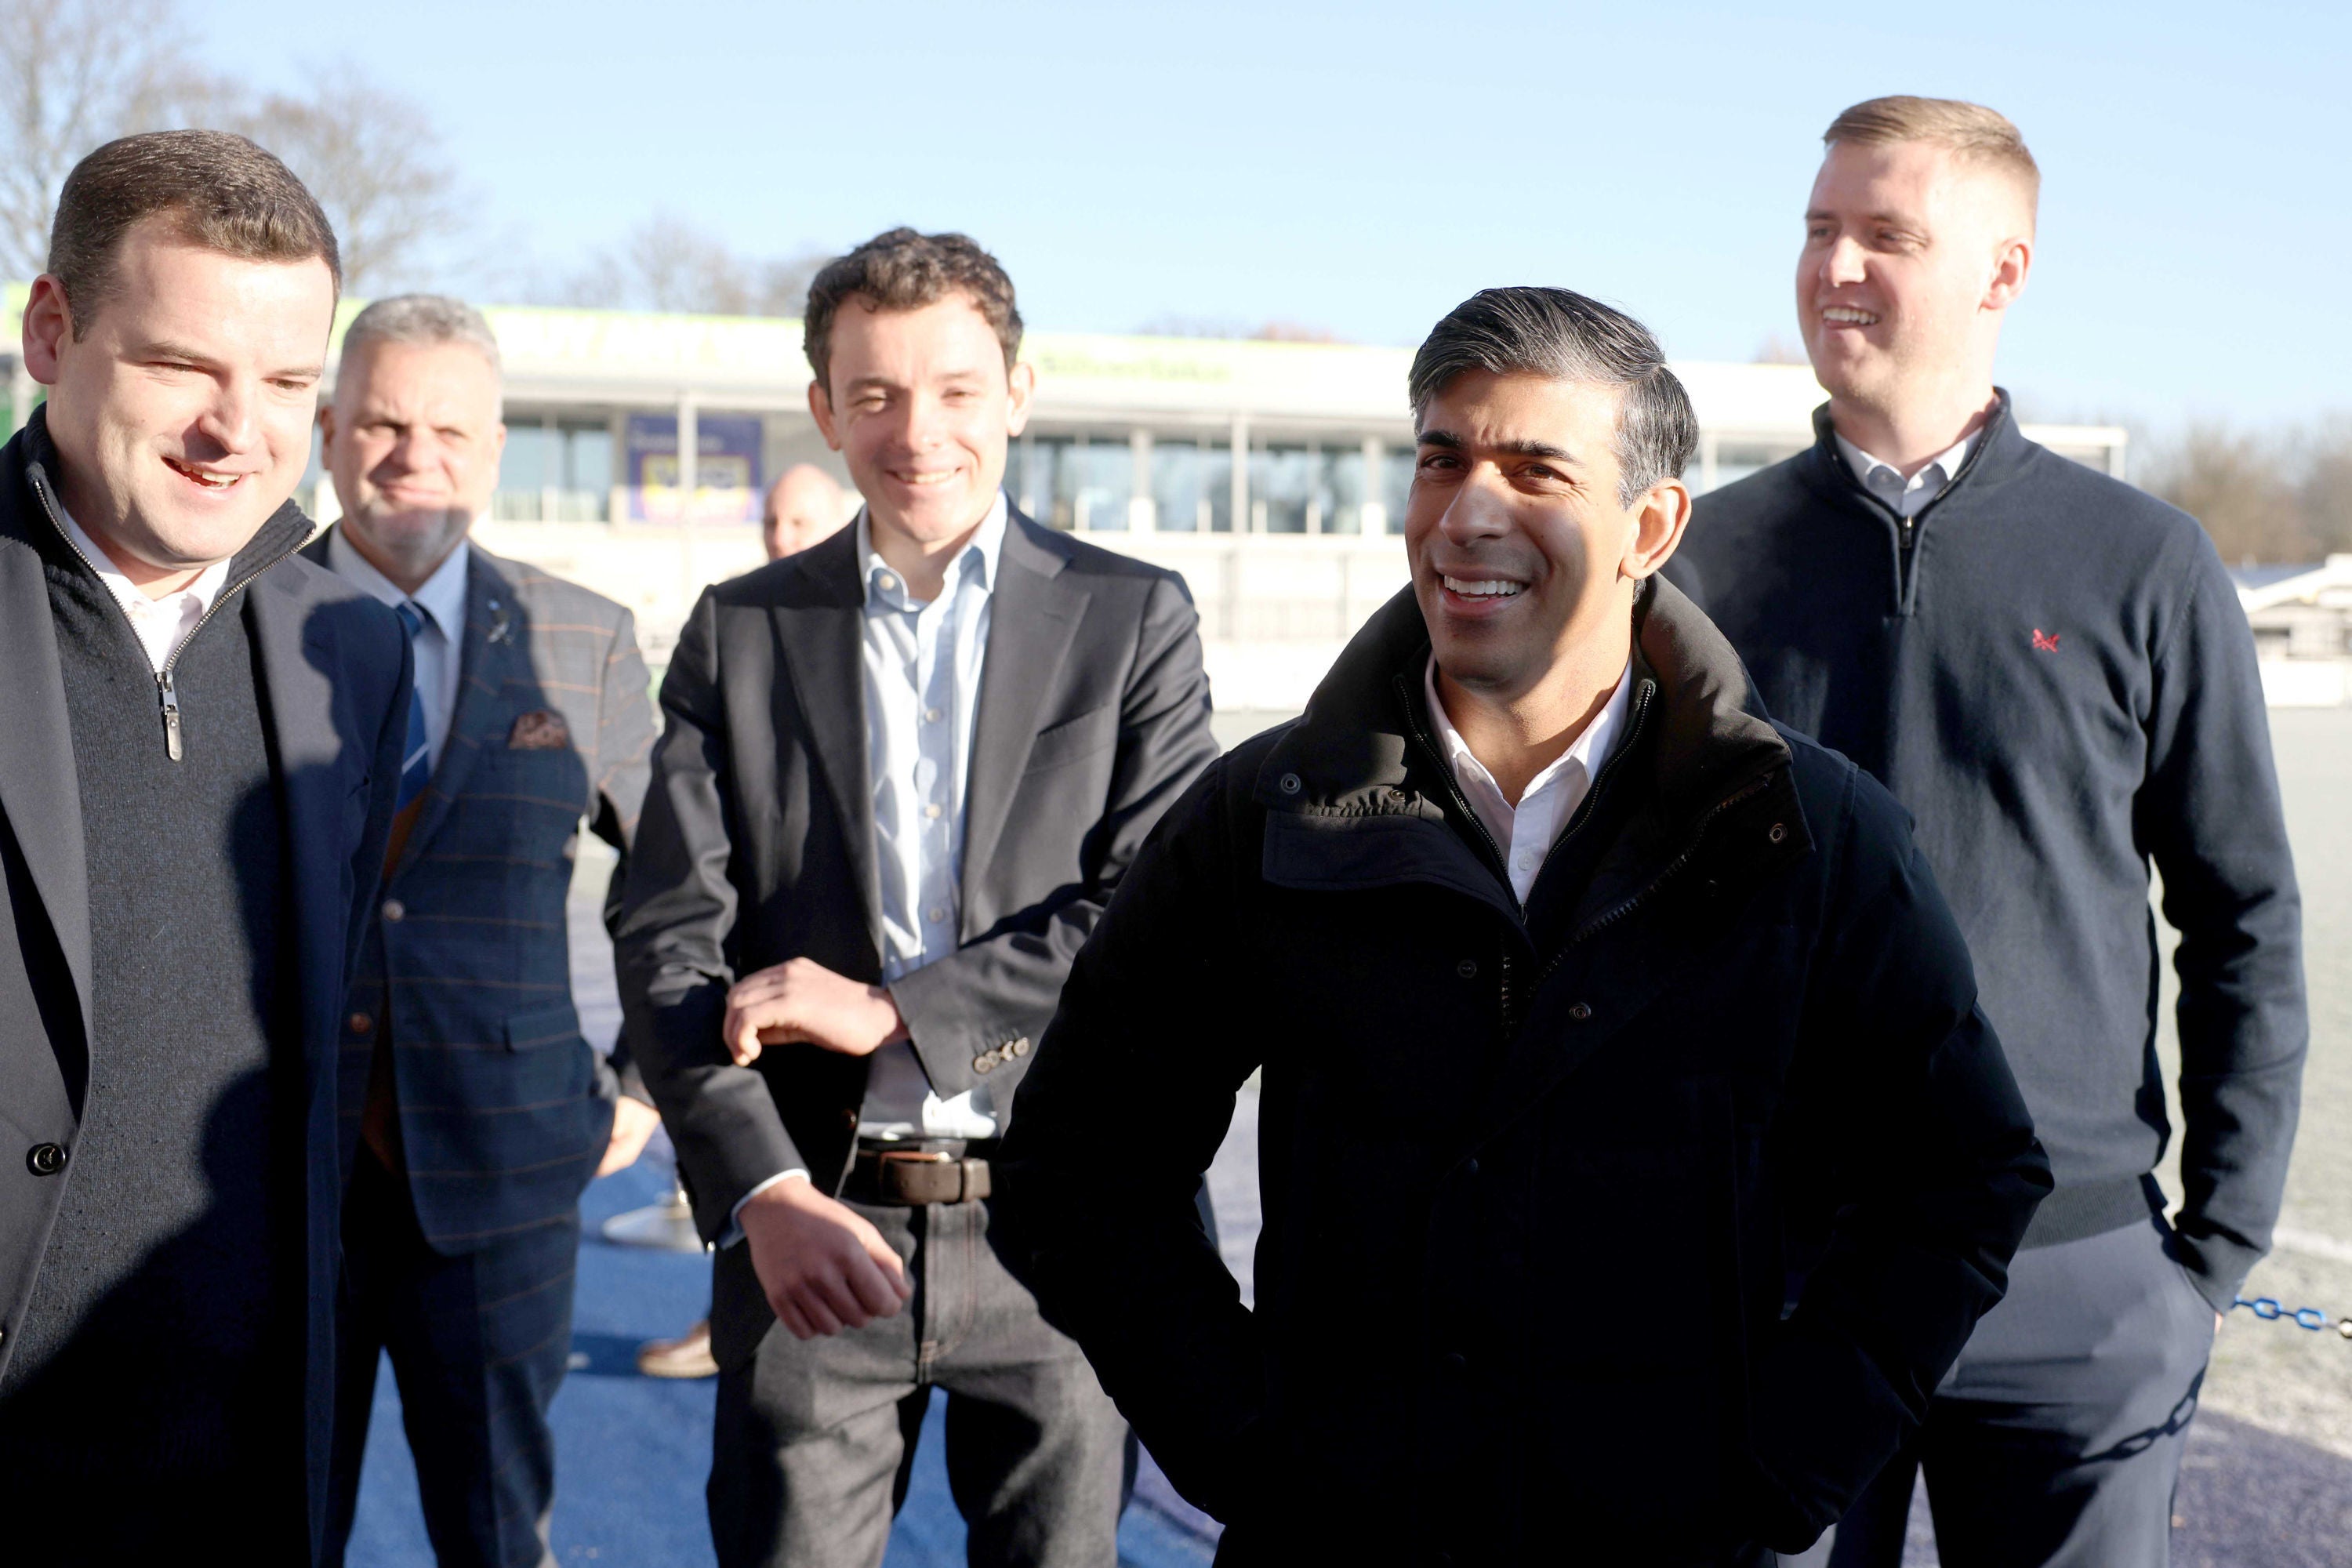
point(1911, 255)
point(920, 405)
point(413, 440)
point(1525, 561)
point(182, 415)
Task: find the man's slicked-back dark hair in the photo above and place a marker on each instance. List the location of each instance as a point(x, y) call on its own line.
point(1563, 335)
point(903, 270)
point(220, 191)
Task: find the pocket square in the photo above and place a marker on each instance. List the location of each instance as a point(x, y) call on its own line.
point(540, 730)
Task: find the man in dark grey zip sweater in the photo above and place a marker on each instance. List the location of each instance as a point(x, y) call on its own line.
point(2052, 672)
point(199, 745)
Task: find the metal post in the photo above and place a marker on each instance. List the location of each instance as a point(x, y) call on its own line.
point(689, 449)
point(550, 488)
point(1374, 512)
point(1142, 509)
point(1241, 439)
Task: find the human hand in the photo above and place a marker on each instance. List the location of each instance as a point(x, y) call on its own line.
point(802, 1000)
point(633, 1122)
point(822, 1265)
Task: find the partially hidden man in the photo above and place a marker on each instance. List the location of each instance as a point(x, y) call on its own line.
point(901, 772)
point(1634, 1154)
point(2051, 670)
point(473, 1111)
point(200, 742)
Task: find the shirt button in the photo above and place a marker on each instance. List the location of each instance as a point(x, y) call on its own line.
point(394, 910)
point(932, 810)
point(932, 715)
point(935, 914)
point(360, 1023)
point(890, 583)
point(1527, 859)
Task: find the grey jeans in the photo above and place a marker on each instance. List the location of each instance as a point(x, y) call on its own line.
point(2056, 1440)
point(814, 1440)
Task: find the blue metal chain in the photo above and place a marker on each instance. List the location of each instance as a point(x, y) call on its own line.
point(2268, 1309)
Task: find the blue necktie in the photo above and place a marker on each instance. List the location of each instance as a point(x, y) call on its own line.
point(415, 758)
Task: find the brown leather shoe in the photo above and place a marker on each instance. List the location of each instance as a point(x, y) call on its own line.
point(688, 1356)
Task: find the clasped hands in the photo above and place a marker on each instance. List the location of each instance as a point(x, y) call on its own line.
point(822, 1265)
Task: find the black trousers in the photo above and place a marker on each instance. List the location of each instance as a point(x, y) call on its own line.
point(479, 1343)
point(2056, 1440)
point(815, 1439)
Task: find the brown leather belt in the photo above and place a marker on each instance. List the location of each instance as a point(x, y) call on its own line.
point(944, 1171)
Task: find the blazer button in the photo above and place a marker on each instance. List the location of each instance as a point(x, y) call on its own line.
point(1578, 1013)
point(1456, 1362)
point(394, 910)
point(1020, 1048)
point(360, 1023)
point(1292, 784)
point(46, 1159)
point(1779, 831)
point(1467, 968)
point(985, 1062)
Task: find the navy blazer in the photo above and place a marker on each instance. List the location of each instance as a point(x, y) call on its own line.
point(335, 672)
point(504, 1109)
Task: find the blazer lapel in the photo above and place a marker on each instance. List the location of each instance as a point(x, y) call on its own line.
point(820, 631)
point(491, 636)
point(38, 789)
point(1034, 613)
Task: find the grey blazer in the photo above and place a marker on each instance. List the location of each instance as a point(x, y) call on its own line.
point(504, 1109)
point(757, 843)
point(335, 670)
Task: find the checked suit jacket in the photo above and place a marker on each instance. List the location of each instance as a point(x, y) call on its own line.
point(503, 1109)
point(758, 846)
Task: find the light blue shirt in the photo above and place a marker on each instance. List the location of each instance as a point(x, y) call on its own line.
point(438, 649)
point(1906, 497)
point(922, 666)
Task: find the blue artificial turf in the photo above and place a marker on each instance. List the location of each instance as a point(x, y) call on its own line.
point(632, 1452)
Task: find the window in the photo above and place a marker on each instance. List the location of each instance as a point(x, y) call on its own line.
point(555, 471)
point(1282, 486)
point(1396, 483)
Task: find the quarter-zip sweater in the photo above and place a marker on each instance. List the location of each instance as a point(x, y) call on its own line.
point(156, 1339)
point(2051, 670)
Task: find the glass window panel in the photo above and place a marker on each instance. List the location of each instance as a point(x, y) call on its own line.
point(1282, 483)
point(1102, 481)
point(1396, 483)
point(1051, 482)
point(1176, 488)
point(1340, 489)
point(533, 458)
point(588, 458)
point(1217, 488)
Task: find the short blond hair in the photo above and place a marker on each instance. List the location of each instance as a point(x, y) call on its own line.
point(1968, 131)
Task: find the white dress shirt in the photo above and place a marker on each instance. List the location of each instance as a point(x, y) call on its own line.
point(922, 665)
point(163, 624)
point(1526, 832)
point(440, 646)
point(1909, 497)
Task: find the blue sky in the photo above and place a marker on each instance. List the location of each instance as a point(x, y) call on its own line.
point(1360, 168)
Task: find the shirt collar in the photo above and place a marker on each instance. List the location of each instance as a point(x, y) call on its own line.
point(1589, 751)
point(441, 596)
point(204, 590)
point(1863, 465)
point(880, 582)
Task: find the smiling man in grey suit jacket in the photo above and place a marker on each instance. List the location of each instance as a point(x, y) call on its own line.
point(902, 772)
point(199, 744)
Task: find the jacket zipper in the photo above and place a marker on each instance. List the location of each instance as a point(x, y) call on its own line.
point(1610, 917)
point(167, 695)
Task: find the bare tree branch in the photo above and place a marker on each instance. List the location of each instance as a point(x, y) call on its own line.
point(75, 74)
point(669, 263)
point(374, 161)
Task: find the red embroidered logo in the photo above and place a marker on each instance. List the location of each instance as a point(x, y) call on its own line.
point(2044, 642)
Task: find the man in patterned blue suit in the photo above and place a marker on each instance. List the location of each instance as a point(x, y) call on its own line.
point(475, 1112)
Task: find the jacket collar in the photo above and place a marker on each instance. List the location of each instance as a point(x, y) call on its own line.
point(1351, 752)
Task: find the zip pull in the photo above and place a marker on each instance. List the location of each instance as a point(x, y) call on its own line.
point(171, 699)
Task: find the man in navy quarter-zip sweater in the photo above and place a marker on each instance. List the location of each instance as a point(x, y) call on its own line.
point(199, 745)
point(2051, 670)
